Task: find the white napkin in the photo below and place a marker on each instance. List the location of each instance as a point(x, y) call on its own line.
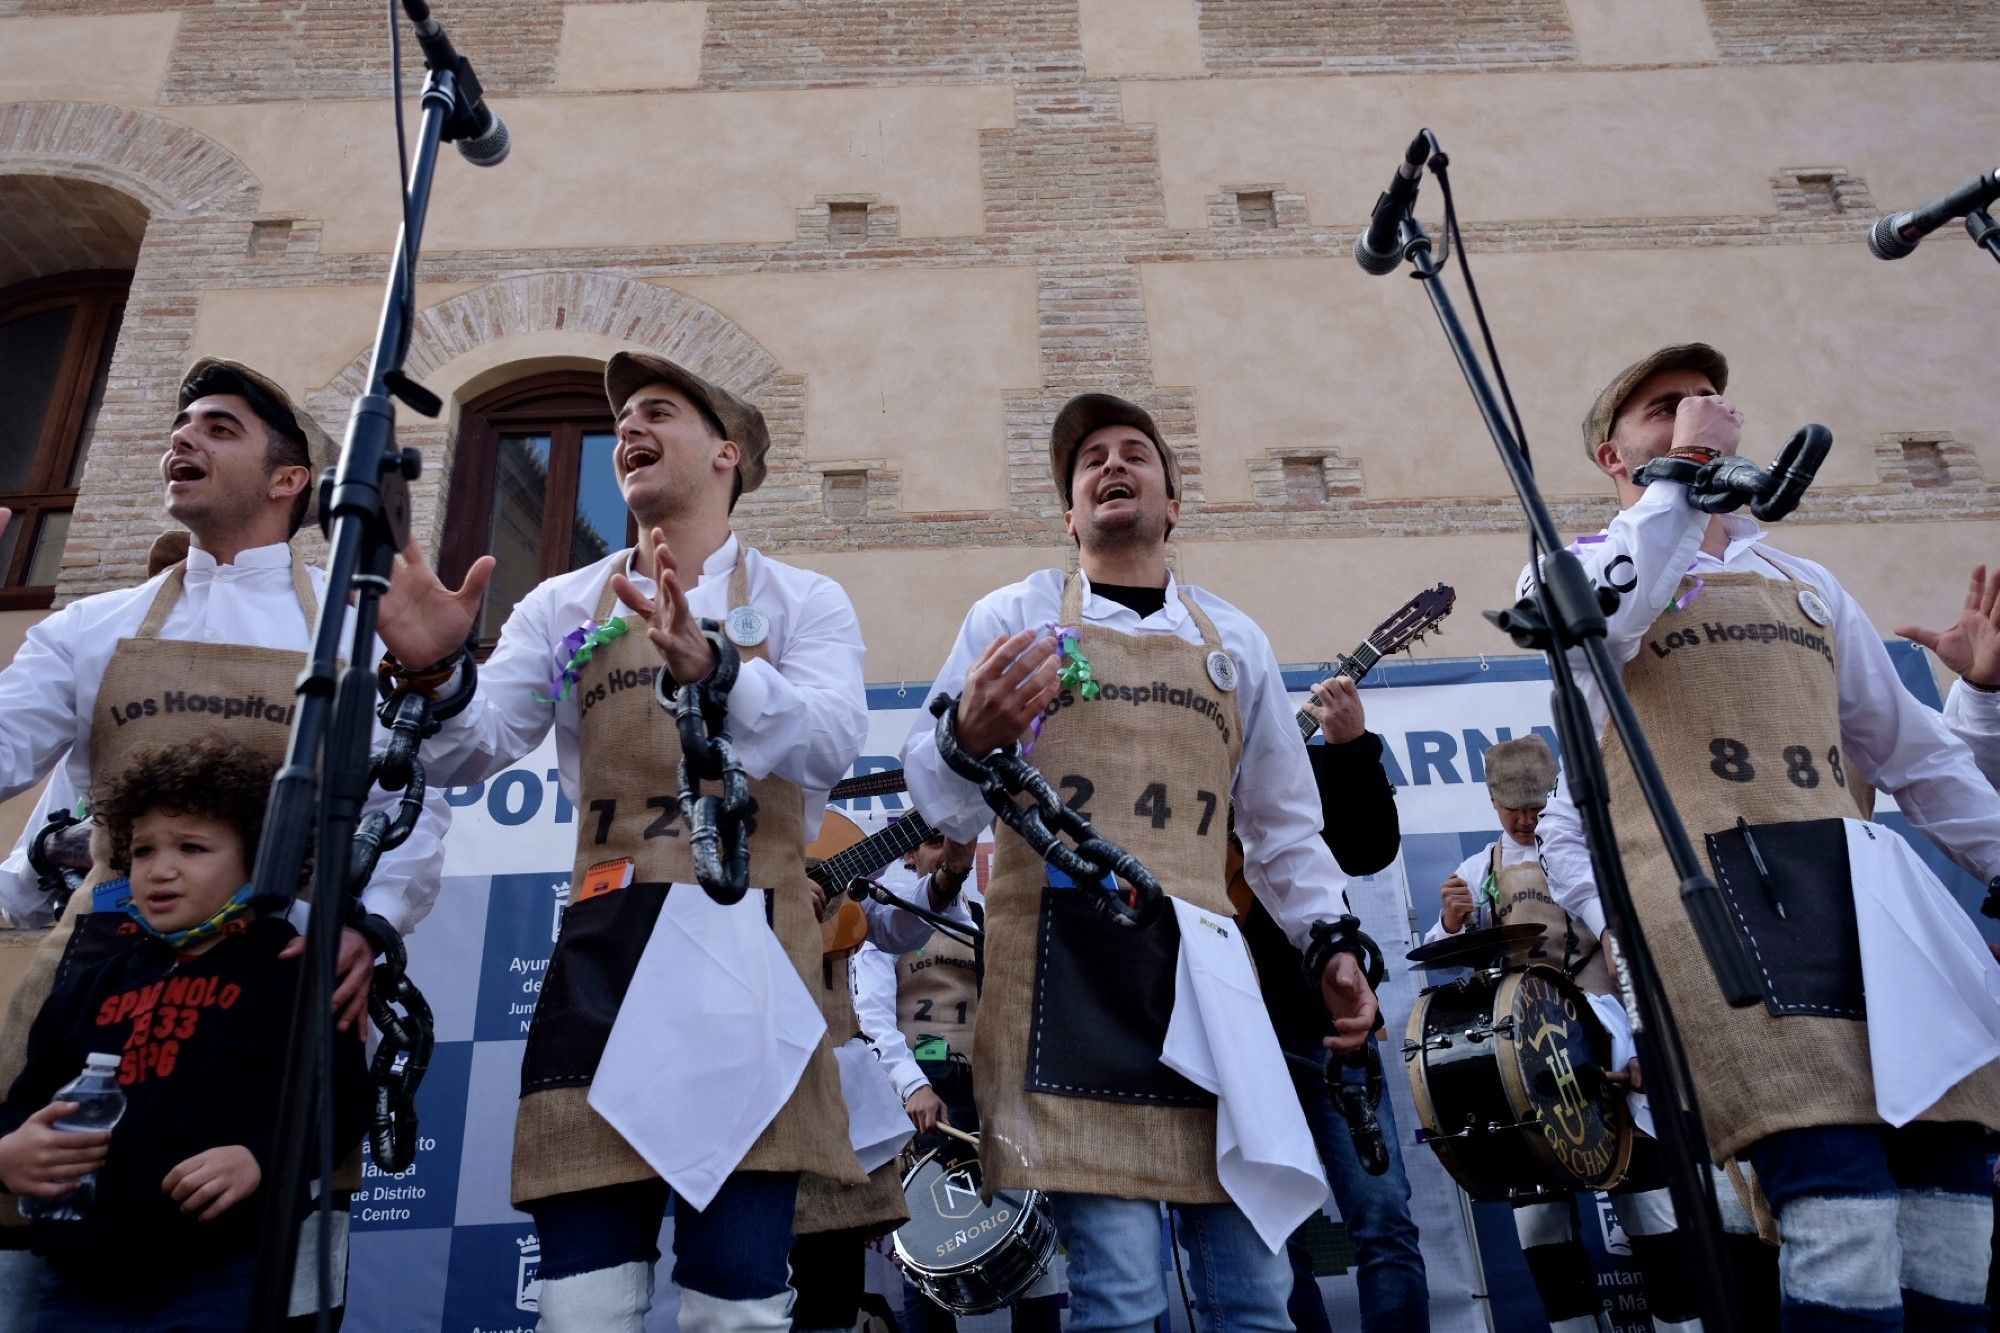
point(877, 1124)
point(709, 1043)
point(1933, 987)
point(1220, 1037)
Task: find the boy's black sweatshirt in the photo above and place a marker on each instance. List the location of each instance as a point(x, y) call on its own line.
point(202, 1047)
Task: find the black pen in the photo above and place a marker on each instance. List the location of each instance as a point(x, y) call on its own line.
point(1763, 871)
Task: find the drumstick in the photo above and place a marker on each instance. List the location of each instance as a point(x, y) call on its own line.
point(943, 1128)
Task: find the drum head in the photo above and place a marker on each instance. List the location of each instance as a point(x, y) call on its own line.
point(950, 1227)
point(1553, 1072)
point(1497, 946)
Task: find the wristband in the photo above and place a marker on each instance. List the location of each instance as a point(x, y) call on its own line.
point(423, 680)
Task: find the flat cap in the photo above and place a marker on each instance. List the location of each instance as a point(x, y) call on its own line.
point(1090, 412)
point(628, 372)
point(1521, 774)
point(1604, 411)
point(215, 374)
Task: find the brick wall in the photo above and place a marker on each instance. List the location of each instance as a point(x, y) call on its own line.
point(1795, 30)
point(1287, 36)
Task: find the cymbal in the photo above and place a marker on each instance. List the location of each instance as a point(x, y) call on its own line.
point(1478, 948)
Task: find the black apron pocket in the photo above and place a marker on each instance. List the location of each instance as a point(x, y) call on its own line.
point(595, 958)
point(1104, 994)
point(1807, 955)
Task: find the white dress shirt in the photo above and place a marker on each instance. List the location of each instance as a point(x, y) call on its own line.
point(1974, 717)
point(48, 694)
point(1894, 742)
point(897, 931)
point(804, 719)
point(1473, 871)
point(873, 977)
point(1277, 802)
point(21, 895)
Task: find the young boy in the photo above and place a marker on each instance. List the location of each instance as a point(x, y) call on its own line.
point(197, 1006)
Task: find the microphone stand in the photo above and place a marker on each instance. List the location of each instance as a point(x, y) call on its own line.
point(1984, 231)
point(1565, 614)
point(366, 503)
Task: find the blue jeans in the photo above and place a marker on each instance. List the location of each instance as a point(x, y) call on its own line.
point(735, 1249)
point(1395, 1293)
point(215, 1301)
point(1887, 1229)
point(1117, 1273)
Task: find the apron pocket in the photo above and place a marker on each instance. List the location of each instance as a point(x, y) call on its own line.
point(1808, 958)
point(1104, 994)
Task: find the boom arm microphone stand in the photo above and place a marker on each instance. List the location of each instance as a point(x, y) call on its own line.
point(1566, 613)
point(367, 506)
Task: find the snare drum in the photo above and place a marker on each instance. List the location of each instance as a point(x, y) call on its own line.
point(969, 1256)
point(1506, 1066)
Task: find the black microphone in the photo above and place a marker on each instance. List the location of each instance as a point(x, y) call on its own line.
point(1897, 235)
point(481, 136)
point(1376, 249)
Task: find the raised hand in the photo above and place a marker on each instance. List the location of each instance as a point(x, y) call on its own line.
point(1457, 897)
point(1707, 421)
point(1970, 648)
point(1006, 689)
point(675, 631)
point(422, 621)
point(1350, 1001)
point(1336, 705)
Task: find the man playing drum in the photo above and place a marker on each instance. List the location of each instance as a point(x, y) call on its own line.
point(797, 718)
point(1772, 706)
point(1512, 890)
point(1182, 710)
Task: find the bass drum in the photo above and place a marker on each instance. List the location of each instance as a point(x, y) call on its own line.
point(969, 1256)
point(1507, 1069)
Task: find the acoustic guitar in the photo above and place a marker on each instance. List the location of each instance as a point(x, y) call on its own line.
point(844, 854)
point(1409, 624)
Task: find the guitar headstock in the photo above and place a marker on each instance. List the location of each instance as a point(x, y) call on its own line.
point(1414, 619)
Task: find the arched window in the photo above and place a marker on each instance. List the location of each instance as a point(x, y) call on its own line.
point(56, 338)
point(532, 484)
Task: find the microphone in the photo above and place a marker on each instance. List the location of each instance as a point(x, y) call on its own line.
point(1897, 235)
point(1376, 249)
point(481, 136)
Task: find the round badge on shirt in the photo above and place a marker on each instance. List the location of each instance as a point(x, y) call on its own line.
point(747, 627)
point(1222, 670)
point(1815, 608)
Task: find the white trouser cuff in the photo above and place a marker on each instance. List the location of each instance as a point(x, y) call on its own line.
point(604, 1300)
point(702, 1313)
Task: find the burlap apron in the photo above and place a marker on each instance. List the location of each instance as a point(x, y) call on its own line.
point(157, 692)
point(937, 994)
point(1522, 897)
point(1739, 694)
point(627, 809)
point(1071, 1092)
point(824, 1204)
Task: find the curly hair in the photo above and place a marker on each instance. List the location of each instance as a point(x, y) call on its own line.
point(215, 779)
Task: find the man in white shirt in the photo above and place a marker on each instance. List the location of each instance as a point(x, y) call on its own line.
point(1770, 702)
point(1166, 706)
point(796, 715)
point(210, 646)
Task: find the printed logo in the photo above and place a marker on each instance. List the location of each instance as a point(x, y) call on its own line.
point(1222, 670)
point(528, 1275)
point(747, 627)
point(1815, 608)
point(955, 1193)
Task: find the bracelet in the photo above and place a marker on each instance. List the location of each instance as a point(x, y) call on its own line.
point(425, 679)
point(1696, 453)
point(1342, 935)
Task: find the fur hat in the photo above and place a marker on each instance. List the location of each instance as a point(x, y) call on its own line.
point(1521, 774)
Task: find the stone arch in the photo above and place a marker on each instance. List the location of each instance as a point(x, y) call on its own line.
point(174, 170)
point(471, 342)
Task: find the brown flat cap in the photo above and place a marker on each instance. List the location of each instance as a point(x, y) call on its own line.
point(1521, 774)
point(1693, 356)
point(628, 372)
point(1090, 412)
point(321, 451)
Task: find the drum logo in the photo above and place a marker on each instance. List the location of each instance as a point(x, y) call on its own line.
point(955, 1193)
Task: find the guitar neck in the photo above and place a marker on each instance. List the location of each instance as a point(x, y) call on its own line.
point(1358, 664)
point(864, 858)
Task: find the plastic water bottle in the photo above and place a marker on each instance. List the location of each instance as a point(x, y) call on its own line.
point(100, 1106)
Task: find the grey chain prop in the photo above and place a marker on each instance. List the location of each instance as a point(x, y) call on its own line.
point(395, 1005)
point(1046, 820)
point(719, 825)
